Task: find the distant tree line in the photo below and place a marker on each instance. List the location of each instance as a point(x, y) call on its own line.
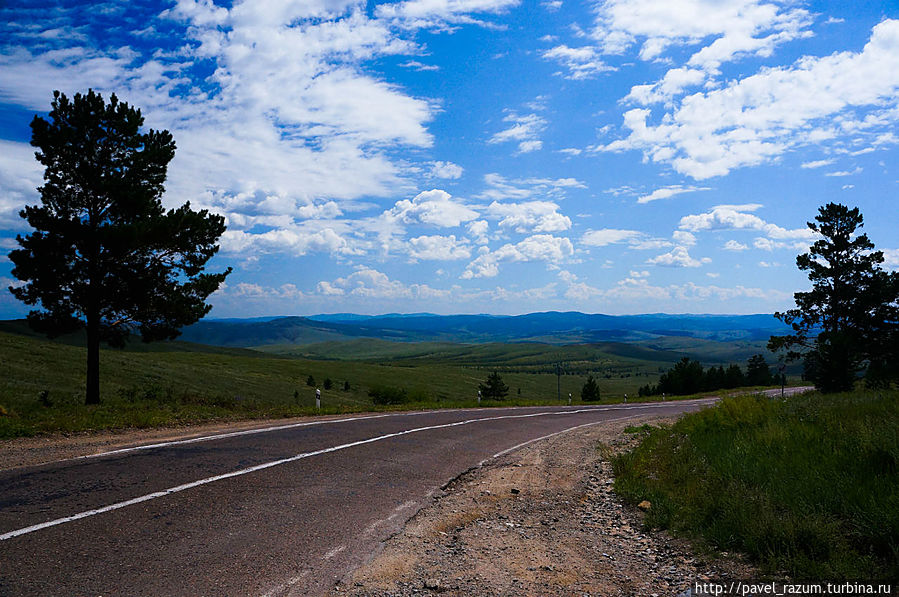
point(689, 377)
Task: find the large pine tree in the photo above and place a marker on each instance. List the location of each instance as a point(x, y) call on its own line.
point(850, 318)
point(104, 254)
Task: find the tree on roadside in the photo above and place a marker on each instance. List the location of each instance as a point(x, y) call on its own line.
point(494, 387)
point(686, 377)
point(849, 320)
point(104, 254)
point(757, 371)
point(590, 391)
point(733, 377)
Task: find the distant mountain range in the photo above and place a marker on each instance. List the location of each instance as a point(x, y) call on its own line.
point(550, 327)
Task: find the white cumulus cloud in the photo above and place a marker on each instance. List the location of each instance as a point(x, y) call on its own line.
point(438, 248)
point(756, 119)
point(435, 207)
point(540, 247)
point(530, 216)
point(678, 257)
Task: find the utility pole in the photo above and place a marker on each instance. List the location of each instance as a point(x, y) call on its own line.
point(783, 379)
point(559, 381)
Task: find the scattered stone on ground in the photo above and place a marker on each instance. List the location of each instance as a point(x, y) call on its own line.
point(543, 520)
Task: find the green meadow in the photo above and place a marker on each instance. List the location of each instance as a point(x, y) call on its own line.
point(175, 383)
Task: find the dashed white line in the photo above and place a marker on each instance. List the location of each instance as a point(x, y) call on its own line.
point(333, 552)
point(258, 430)
point(280, 589)
point(259, 467)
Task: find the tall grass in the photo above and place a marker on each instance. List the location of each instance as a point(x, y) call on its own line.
point(807, 487)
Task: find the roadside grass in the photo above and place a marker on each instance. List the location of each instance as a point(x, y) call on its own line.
point(807, 487)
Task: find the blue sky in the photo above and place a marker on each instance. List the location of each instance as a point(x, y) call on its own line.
point(498, 156)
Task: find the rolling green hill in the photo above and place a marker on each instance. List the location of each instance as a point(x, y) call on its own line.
point(178, 383)
point(259, 368)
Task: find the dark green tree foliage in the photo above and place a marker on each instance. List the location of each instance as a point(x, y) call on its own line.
point(733, 377)
point(685, 378)
point(104, 254)
point(715, 378)
point(688, 377)
point(849, 320)
point(757, 371)
point(327, 383)
point(590, 391)
point(493, 387)
point(310, 381)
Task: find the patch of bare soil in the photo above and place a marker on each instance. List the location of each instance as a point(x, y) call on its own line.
point(542, 520)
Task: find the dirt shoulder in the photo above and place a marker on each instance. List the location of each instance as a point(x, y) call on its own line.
point(542, 520)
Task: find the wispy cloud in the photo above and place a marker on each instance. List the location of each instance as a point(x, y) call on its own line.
point(581, 63)
point(670, 191)
point(524, 129)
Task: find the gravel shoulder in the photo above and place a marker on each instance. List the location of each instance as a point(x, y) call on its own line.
point(541, 520)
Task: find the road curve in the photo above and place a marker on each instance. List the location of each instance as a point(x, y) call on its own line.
point(282, 510)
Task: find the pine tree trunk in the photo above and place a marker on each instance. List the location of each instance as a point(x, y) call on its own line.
point(93, 361)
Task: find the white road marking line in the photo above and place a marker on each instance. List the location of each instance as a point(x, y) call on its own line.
point(259, 467)
point(523, 444)
point(280, 589)
point(207, 438)
point(333, 552)
point(370, 529)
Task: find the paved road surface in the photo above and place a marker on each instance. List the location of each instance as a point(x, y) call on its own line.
point(277, 511)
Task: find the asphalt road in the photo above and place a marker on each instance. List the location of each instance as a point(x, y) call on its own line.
point(273, 511)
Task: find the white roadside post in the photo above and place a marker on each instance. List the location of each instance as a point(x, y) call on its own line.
point(479, 397)
point(569, 398)
point(625, 397)
point(318, 398)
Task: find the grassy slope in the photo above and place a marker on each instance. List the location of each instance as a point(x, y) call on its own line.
point(172, 383)
point(806, 487)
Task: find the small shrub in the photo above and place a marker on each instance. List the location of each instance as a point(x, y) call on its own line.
point(310, 381)
point(327, 383)
point(45, 399)
point(418, 396)
point(590, 391)
point(388, 395)
point(494, 387)
point(644, 428)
